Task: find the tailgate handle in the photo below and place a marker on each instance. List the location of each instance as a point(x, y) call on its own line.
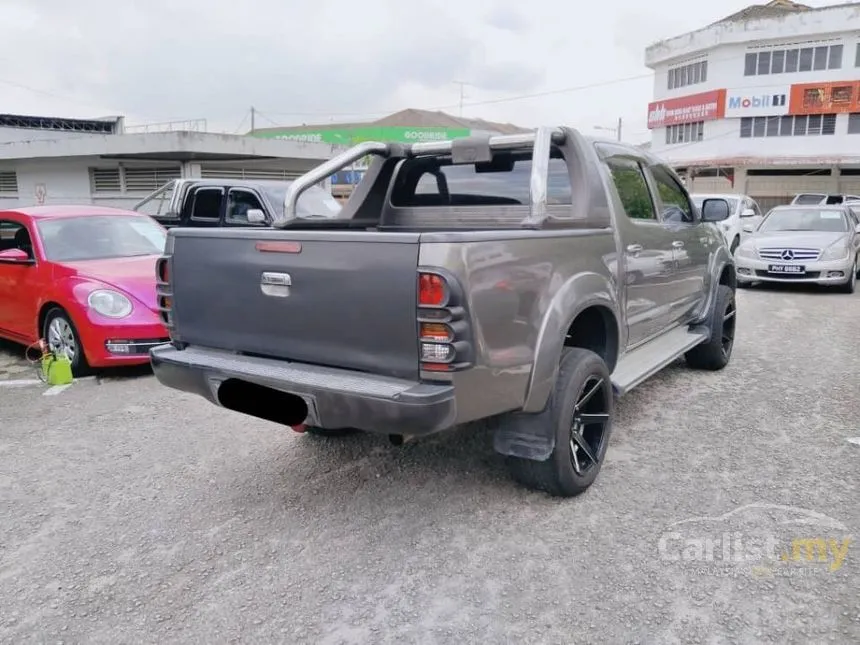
point(276, 284)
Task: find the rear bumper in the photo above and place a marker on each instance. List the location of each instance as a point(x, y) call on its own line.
point(343, 398)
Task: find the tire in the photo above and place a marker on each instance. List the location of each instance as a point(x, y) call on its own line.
point(62, 337)
point(715, 354)
point(734, 245)
point(330, 432)
point(851, 285)
point(581, 437)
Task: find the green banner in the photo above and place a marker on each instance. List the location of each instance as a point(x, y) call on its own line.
point(351, 136)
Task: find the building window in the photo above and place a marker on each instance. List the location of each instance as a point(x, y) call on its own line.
point(8, 182)
point(857, 56)
point(131, 180)
point(754, 127)
point(835, 60)
point(788, 61)
point(689, 74)
point(854, 123)
point(685, 133)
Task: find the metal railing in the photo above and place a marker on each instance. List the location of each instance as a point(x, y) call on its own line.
point(541, 142)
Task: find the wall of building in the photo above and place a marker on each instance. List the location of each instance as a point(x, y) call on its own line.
point(85, 180)
point(725, 48)
point(73, 181)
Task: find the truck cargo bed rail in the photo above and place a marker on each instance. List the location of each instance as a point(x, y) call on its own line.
point(469, 150)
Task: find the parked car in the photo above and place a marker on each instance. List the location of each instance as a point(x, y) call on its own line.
point(229, 202)
point(817, 199)
point(83, 279)
point(742, 210)
point(464, 281)
point(818, 244)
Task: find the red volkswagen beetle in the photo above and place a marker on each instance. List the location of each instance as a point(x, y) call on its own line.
point(82, 278)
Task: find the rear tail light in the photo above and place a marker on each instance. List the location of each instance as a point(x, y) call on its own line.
point(444, 334)
point(437, 332)
point(161, 271)
point(432, 290)
point(164, 292)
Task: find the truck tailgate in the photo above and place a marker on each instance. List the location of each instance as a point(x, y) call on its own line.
point(343, 299)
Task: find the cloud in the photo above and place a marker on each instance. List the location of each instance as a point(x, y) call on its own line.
point(507, 18)
point(332, 60)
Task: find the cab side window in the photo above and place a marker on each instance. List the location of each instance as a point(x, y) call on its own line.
point(632, 189)
point(239, 202)
point(673, 203)
point(206, 204)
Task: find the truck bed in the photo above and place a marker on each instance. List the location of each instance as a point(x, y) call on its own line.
point(335, 298)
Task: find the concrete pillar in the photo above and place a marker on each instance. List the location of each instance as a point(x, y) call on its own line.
point(835, 177)
point(190, 170)
point(741, 180)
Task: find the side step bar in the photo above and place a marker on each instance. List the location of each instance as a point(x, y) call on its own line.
point(648, 359)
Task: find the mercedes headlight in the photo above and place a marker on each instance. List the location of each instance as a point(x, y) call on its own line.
point(838, 251)
point(109, 303)
point(746, 251)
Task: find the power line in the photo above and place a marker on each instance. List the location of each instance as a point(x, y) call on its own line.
point(507, 99)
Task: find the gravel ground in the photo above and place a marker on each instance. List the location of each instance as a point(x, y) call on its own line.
point(135, 514)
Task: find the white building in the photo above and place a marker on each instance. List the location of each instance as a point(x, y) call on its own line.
point(764, 102)
point(55, 160)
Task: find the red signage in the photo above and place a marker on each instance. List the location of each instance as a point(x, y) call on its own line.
point(706, 106)
point(825, 98)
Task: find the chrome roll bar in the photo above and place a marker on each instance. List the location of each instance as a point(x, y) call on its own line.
point(540, 141)
point(321, 172)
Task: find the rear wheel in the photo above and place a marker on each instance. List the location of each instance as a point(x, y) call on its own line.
point(581, 409)
point(715, 354)
point(63, 340)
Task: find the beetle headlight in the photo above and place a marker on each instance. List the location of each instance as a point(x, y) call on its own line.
point(109, 303)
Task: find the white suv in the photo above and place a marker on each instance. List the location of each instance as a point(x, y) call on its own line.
point(743, 210)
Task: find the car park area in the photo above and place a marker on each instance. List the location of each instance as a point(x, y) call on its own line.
point(135, 513)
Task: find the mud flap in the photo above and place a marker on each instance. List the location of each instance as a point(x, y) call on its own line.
point(525, 435)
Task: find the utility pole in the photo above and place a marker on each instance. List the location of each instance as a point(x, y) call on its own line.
point(616, 129)
point(253, 115)
point(462, 85)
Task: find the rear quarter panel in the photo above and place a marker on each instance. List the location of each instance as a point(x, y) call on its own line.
point(523, 289)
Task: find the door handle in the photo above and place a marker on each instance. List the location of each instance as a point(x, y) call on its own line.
point(678, 244)
point(634, 248)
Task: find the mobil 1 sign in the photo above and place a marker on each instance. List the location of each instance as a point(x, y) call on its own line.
point(757, 101)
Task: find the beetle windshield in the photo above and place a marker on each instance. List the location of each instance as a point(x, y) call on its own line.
point(95, 237)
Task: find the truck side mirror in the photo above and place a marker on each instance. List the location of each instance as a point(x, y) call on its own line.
point(748, 228)
point(255, 216)
point(748, 212)
point(715, 210)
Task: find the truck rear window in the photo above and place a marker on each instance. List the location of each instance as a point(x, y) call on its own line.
point(436, 182)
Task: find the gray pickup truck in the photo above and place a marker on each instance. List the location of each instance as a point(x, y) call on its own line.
point(521, 280)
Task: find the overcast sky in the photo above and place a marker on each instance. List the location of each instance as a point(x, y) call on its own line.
point(317, 61)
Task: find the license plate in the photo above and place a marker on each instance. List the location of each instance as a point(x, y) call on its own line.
point(786, 268)
point(313, 418)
